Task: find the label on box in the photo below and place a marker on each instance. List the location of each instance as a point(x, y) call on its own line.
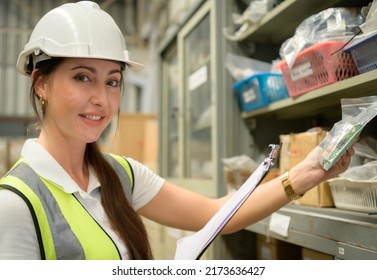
point(249, 96)
point(301, 71)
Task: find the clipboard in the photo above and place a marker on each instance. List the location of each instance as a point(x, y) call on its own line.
point(193, 246)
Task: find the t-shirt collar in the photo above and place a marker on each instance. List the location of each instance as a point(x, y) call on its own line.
point(46, 166)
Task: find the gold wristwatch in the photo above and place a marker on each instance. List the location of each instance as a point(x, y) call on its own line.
point(288, 188)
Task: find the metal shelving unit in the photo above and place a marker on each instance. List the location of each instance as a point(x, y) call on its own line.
point(341, 233)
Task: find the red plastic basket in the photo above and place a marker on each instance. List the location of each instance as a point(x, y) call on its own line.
point(319, 65)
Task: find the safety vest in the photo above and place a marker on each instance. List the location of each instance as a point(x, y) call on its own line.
point(65, 230)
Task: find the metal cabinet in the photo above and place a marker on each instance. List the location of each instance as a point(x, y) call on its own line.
point(197, 127)
point(199, 117)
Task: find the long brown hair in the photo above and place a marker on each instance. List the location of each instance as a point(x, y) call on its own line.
point(123, 218)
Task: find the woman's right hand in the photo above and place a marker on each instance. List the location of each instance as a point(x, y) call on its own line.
point(309, 173)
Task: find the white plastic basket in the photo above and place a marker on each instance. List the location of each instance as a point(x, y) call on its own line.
point(354, 195)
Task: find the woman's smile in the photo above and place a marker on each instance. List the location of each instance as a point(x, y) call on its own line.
point(92, 117)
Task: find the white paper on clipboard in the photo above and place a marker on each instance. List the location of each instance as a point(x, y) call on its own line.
point(193, 246)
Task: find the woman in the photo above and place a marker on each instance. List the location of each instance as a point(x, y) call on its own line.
point(64, 199)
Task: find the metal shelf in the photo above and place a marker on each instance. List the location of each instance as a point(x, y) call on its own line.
point(290, 13)
point(319, 99)
point(343, 234)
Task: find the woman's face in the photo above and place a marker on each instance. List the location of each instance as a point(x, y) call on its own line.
point(81, 98)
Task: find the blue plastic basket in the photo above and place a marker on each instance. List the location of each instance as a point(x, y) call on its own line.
point(259, 90)
point(364, 52)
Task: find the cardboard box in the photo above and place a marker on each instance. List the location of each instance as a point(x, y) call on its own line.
point(269, 248)
point(295, 148)
point(136, 137)
point(236, 177)
point(150, 151)
point(309, 254)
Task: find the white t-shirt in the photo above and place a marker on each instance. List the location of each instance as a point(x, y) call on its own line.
point(18, 238)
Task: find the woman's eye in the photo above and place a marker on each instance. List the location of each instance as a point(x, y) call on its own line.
point(82, 78)
point(113, 83)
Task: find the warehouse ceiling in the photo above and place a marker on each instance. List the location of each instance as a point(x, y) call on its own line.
point(135, 17)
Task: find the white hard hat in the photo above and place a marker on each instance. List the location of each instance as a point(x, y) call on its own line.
point(79, 30)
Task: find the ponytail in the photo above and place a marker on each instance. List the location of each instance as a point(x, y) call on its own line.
point(123, 218)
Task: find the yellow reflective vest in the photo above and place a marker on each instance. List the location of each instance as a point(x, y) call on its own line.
point(65, 230)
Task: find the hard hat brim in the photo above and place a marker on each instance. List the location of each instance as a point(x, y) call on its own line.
point(24, 56)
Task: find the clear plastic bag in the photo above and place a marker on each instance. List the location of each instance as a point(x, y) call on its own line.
point(241, 67)
point(370, 24)
point(333, 24)
point(366, 172)
point(255, 11)
point(237, 169)
point(365, 151)
point(240, 162)
point(252, 14)
point(352, 107)
point(356, 113)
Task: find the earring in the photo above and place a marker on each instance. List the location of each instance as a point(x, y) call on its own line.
point(41, 100)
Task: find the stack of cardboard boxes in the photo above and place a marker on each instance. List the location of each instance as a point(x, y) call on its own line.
point(295, 147)
point(135, 136)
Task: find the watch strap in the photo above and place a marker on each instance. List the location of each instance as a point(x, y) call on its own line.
point(288, 187)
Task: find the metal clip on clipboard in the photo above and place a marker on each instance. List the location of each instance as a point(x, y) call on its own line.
point(193, 246)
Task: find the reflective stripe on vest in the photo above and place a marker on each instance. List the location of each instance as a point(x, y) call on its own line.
point(65, 230)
